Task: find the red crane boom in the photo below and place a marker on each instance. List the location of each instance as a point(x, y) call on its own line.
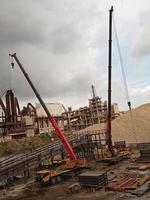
point(58, 131)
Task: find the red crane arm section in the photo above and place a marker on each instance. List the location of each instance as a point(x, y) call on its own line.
point(62, 137)
point(58, 131)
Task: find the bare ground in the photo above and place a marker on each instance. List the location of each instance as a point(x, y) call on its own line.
point(30, 191)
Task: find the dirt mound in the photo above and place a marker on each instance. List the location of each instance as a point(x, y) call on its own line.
point(124, 129)
point(138, 131)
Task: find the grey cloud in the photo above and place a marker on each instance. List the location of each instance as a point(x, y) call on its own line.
point(61, 44)
point(39, 47)
point(20, 24)
point(141, 46)
point(65, 39)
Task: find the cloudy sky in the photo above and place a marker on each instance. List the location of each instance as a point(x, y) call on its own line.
point(63, 45)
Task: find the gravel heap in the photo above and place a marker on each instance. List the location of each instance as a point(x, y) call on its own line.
point(124, 129)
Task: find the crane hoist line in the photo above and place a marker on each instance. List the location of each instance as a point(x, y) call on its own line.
point(124, 79)
point(122, 65)
point(58, 131)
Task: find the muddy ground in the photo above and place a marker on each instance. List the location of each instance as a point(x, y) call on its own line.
point(30, 190)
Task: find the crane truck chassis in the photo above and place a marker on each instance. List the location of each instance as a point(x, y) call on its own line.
point(67, 170)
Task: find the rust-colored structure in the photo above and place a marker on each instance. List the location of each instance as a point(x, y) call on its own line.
point(12, 123)
point(10, 119)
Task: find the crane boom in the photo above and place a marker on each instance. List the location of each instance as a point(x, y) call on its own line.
point(58, 131)
point(109, 135)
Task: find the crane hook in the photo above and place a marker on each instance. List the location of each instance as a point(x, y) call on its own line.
point(12, 65)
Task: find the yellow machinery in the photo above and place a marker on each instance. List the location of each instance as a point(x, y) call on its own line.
point(124, 152)
point(46, 176)
point(122, 149)
point(70, 168)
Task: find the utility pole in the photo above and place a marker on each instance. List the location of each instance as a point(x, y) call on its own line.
point(109, 135)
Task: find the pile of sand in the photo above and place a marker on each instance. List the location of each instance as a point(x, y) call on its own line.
point(124, 129)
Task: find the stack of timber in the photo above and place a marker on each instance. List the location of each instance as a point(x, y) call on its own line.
point(93, 179)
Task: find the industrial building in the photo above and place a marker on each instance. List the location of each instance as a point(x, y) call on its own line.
point(94, 113)
point(31, 120)
point(44, 125)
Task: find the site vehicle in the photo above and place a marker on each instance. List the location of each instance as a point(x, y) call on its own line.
point(74, 164)
point(69, 168)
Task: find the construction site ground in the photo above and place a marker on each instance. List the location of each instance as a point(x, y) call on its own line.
point(30, 191)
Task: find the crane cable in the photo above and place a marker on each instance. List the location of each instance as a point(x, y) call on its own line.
point(124, 80)
point(11, 67)
point(10, 78)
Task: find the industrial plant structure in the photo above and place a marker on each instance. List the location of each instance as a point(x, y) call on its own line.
point(31, 120)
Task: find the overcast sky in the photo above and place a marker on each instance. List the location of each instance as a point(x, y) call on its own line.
point(63, 45)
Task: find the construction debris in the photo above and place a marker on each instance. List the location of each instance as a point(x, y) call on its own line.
point(73, 188)
point(133, 183)
point(139, 191)
point(94, 179)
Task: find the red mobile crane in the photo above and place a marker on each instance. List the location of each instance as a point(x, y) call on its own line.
point(58, 131)
point(122, 151)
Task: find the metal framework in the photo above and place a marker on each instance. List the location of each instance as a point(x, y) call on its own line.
point(87, 144)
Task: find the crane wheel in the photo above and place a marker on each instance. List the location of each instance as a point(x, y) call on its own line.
point(58, 179)
point(53, 180)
